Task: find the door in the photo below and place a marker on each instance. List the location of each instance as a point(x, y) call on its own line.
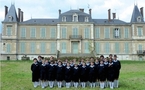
point(75, 47)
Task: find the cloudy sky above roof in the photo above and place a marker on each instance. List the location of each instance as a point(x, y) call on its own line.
point(49, 8)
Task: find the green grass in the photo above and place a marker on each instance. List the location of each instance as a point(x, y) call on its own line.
point(16, 75)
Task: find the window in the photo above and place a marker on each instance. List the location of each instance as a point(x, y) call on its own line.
point(22, 47)
point(126, 49)
point(53, 48)
point(86, 47)
point(117, 48)
point(140, 47)
point(63, 47)
point(86, 33)
point(23, 32)
point(33, 33)
point(75, 17)
point(75, 32)
point(139, 19)
point(43, 32)
point(117, 33)
point(10, 18)
point(9, 30)
point(97, 47)
point(8, 48)
point(126, 33)
point(42, 47)
point(107, 33)
point(63, 32)
point(97, 33)
point(139, 31)
point(86, 19)
point(64, 19)
point(53, 33)
point(32, 47)
point(107, 47)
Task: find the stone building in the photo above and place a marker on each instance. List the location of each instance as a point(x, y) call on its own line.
point(73, 33)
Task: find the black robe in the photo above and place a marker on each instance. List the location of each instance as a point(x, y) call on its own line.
point(83, 74)
point(50, 71)
point(35, 72)
point(111, 72)
point(101, 72)
point(43, 72)
point(117, 67)
point(59, 73)
point(68, 74)
point(92, 74)
point(75, 75)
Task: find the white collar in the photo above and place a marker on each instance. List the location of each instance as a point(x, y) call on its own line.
point(115, 60)
point(101, 64)
point(92, 66)
point(68, 67)
point(76, 67)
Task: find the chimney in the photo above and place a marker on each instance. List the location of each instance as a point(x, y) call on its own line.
point(141, 11)
point(114, 15)
point(59, 11)
point(90, 11)
point(81, 9)
point(19, 14)
point(6, 10)
point(109, 15)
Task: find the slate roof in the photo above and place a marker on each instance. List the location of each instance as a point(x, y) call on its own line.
point(135, 14)
point(11, 12)
point(105, 21)
point(41, 21)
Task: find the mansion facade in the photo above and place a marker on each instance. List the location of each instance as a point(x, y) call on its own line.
point(73, 33)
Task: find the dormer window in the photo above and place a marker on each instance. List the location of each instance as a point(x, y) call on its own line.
point(10, 18)
point(86, 19)
point(138, 19)
point(75, 18)
point(64, 19)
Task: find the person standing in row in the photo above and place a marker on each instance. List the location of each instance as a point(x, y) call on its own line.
point(35, 72)
point(75, 75)
point(117, 67)
point(83, 74)
point(68, 75)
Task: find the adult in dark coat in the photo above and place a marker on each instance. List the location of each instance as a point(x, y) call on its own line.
point(111, 73)
point(106, 72)
point(92, 74)
point(68, 75)
point(75, 75)
point(43, 74)
point(59, 74)
point(83, 75)
point(101, 72)
point(51, 78)
point(117, 67)
point(35, 72)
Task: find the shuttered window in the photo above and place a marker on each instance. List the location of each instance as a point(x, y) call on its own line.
point(126, 45)
point(97, 47)
point(32, 47)
point(53, 48)
point(107, 33)
point(52, 33)
point(43, 32)
point(107, 47)
point(9, 30)
point(22, 47)
point(8, 48)
point(97, 33)
point(86, 47)
point(63, 33)
point(23, 32)
point(117, 48)
point(33, 33)
point(42, 47)
point(86, 33)
point(63, 47)
point(126, 33)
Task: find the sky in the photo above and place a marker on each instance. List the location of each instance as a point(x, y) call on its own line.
point(49, 8)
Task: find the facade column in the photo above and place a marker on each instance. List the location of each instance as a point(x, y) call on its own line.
point(58, 31)
point(92, 31)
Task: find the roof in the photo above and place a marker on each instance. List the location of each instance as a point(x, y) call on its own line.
point(41, 21)
point(135, 14)
point(71, 12)
point(12, 13)
point(105, 21)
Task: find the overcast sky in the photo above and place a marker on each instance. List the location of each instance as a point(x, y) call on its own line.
point(49, 8)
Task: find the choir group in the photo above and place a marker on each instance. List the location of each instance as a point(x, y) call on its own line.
point(102, 72)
